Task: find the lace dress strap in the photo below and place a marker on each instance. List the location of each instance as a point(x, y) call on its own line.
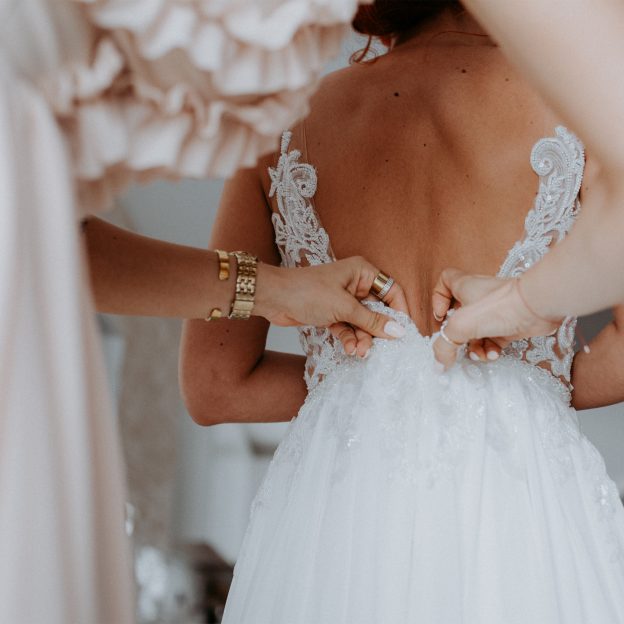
point(559, 161)
point(302, 241)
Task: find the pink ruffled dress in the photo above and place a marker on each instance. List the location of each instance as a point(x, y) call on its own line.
point(93, 95)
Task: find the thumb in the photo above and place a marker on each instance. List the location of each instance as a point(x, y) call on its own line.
point(444, 292)
point(374, 323)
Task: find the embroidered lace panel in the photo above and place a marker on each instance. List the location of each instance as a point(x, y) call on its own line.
point(302, 241)
point(559, 161)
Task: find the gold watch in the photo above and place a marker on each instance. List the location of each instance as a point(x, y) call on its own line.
point(243, 303)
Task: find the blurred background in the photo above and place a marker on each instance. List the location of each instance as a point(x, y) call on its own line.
point(190, 488)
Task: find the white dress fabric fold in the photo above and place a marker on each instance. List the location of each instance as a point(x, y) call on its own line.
point(93, 95)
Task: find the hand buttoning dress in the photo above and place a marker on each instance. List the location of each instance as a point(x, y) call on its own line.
point(403, 496)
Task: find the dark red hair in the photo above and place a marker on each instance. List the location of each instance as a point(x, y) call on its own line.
point(389, 18)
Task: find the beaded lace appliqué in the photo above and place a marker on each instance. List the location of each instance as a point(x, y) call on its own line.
point(560, 163)
point(302, 240)
point(558, 160)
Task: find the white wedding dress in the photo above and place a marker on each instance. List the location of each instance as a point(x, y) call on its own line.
point(401, 495)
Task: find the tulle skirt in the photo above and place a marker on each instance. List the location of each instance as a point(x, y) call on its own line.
point(401, 495)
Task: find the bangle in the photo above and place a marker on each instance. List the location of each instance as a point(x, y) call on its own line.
point(214, 315)
point(224, 275)
point(244, 298)
point(224, 265)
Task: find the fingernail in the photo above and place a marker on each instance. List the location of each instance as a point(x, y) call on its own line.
point(392, 328)
point(492, 355)
point(438, 367)
point(353, 351)
point(474, 357)
point(365, 356)
point(438, 318)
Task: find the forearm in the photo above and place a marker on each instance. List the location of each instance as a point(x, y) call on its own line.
point(598, 376)
point(573, 52)
point(584, 273)
point(137, 275)
point(273, 391)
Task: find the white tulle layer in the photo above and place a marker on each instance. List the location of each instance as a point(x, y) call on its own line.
point(400, 496)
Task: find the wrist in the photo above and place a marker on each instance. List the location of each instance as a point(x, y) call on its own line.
point(267, 289)
point(223, 290)
point(528, 292)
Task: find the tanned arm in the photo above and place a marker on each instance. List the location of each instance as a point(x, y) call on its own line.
point(598, 376)
point(226, 373)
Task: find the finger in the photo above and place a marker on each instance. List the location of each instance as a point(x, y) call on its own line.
point(502, 343)
point(444, 292)
point(492, 350)
point(476, 351)
point(396, 298)
point(459, 331)
point(445, 353)
point(364, 343)
point(346, 335)
point(374, 323)
point(366, 274)
point(363, 276)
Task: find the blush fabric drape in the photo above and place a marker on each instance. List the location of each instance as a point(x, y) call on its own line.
point(96, 94)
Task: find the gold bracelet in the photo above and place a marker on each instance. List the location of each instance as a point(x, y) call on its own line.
point(214, 315)
point(224, 265)
point(224, 274)
point(243, 303)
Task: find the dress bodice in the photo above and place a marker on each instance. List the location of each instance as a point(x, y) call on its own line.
point(559, 161)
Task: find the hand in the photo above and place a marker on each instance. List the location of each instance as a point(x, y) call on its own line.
point(492, 313)
point(328, 295)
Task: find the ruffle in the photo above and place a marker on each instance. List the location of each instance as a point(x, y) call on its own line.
point(245, 46)
point(189, 88)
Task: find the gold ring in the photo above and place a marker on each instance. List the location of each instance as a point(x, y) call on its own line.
point(381, 285)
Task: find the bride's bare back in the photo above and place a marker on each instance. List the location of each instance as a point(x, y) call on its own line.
point(423, 159)
point(423, 162)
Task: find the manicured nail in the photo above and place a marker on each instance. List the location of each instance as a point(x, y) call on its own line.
point(492, 355)
point(353, 351)
point(392, 328)
point(474, 357)
point(365, 356)
point(438, 318)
